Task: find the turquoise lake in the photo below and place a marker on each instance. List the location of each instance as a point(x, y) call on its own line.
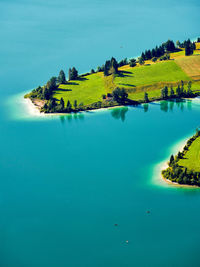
point(74, 189)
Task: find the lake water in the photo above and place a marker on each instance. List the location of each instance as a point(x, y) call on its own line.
point(66, 181)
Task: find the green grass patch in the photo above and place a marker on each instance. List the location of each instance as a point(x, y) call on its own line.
point(192, 157)
point(167, 71)
point(88, 89)
point(139, 96)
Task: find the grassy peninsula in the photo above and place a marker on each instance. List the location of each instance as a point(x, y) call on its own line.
point(167, 71)
point(184, 168)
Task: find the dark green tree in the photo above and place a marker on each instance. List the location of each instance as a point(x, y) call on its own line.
point(51, 84)
point(164, 92)
point(178, 91)
point(75, 104)
point(169, 46)
point(132, 62)
point(143, 56)
point(61, 77)
point(119, 94)
point(69, 106)
point(123, 94)
point(114, 65)
point(146, 97)
point(116, 94)
point(52, 104)
point(141, 61)
point(171, 161)
point(172, 94)
point(62, 103)
point(179, 156)
point(50, 87)
point(73, 74)
point(189, 90)
point(107, 68)
point(188, 49)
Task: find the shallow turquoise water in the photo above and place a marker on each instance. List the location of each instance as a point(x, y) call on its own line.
point(66, 181)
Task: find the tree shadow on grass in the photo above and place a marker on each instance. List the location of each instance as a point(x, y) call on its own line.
point(72, 83)
point(63, 90)
point(125, 73)
point(82, 79)
point(127, 84)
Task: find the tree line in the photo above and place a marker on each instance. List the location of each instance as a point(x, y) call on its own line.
point(179, 92)
point(188, 45)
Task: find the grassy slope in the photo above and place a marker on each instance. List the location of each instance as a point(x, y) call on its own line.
point(166, 71)
point(192, 157)
point(137, 80)
point(88, 90)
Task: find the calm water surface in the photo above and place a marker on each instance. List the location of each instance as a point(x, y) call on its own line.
point(66, 181)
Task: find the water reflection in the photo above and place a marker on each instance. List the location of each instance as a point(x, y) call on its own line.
point(180, 103)
point(146, 107)
point(119, 113)
point(164, 106)
point(70, 117)
point(171, 105)
point(189, 104)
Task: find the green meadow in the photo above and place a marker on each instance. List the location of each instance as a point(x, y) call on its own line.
point(166, 71)
point(87, 89)
point(192, 157)
point(151, 78)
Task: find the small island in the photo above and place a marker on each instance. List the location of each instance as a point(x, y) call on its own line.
point(184, 168)
point(169, 71)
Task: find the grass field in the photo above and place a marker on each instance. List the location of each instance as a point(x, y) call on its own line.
point(165, 71)
point(88, 90)
point(192, 157)
point(151, 78)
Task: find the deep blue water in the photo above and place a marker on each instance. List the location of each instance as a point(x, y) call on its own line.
point(66, 181)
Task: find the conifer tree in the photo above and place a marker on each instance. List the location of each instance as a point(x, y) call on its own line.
point(74, 73)
point(146, 97)
point(62, 103)
point(75, 104)
point(189, 90)
point(61, 77)
point(164, 92)
point(171, 161)
point(178, 91)
point(69, 106)
point(132, 62)
point(171, 92)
